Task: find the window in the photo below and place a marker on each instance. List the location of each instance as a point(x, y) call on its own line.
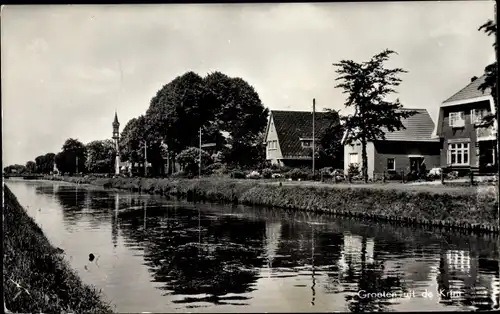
point(306, 143)
point(391, 164)
point(477, 115)
point(458, 154)
point(353, 158)
point(457, 119)
point(272, 145)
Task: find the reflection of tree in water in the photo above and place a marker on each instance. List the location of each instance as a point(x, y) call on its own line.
point(368, 277)
point(224, 262)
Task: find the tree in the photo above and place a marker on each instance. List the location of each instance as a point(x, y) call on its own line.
point(45, 163)
point(30, 167)
point(330, 151)
point(189, 160)
point(72, 157)
point(490, 71)
point(367, 85)
point(101, 156)
point(18, 169)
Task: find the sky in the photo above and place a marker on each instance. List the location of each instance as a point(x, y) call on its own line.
point(67, 68)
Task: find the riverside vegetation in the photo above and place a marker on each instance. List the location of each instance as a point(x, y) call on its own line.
point(469, 209)
point(37, 279)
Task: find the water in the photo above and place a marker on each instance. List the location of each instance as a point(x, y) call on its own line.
point(160, 255)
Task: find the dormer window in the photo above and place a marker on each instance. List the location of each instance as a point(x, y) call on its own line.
point(457, 119)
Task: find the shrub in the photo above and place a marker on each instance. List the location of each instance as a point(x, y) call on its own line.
point(353, 171)
point(210, 169)
point(189, 159)
point(267, 173)
point(296, 174)
point(238, 174)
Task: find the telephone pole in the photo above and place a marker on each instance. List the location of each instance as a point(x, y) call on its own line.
point(313, 139)
point(76, 164)
point(199, 163)
point(145, 158)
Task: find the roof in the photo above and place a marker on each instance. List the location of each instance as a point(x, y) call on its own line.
point(470, 91)
point(293, 125)
point(418, 128)
point(116, 119)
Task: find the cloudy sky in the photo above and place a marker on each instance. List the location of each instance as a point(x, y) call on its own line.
point(65, 69)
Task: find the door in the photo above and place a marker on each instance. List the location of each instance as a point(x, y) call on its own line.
point(416, 164)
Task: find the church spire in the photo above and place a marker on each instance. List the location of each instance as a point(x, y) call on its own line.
point(115, 122)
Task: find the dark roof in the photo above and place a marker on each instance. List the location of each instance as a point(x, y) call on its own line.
point(418, 128)
point(470, 91)
point(115, 122)
point(293, 125)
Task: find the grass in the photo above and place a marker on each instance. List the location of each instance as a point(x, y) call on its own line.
point(473, 208)
point(46, 282)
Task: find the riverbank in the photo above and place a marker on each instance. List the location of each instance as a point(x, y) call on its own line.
point(472, 209)
point(37, 279)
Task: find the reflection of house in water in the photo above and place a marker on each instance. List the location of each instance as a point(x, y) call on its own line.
point(352, 252)
point(273, 236)
point(458, 260)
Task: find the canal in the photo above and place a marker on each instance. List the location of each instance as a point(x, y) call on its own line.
point(153, 254)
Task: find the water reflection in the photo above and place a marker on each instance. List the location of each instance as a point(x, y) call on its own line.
point(208, 255)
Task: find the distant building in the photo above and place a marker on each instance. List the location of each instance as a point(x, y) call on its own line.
point(404, 150)
point(289, 136)
point(464, 143)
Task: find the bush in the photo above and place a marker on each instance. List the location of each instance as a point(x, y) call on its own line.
point(210, 169)
point(238, 174)
point(267, 173)
point(353, 171)
point(296, 174)
point(189, 159)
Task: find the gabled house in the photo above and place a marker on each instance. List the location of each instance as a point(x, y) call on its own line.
point(404, 150)
point(465, 143)
point(289, 136)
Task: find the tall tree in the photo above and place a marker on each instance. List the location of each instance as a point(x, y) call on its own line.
point(367, 85)
point(17, 169)
point(31, 167)
point(330, 151)
point(100, 156)
point(45, 163)
point(490, 71)
point(72, 157)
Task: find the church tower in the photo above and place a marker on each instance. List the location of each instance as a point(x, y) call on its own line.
point(116, 137)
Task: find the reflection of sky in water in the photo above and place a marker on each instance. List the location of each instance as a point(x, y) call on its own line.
point(159, 255)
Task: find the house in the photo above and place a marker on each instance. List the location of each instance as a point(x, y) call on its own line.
point(404, 150)
point(465, 143)
point(289, 136)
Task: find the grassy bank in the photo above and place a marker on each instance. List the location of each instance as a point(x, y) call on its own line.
point(47, 283)
point(473, 209)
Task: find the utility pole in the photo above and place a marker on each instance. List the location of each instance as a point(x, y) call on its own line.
point(199, 163)
point(145, 158)
point(497, 124)
point(313, 139)
point(76, 164)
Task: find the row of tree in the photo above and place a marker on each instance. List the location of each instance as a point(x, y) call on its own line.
point(228, 112)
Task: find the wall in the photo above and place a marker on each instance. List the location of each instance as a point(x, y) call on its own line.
point(468, 132)
point(273, 155)
point(401, 152)
point(357, 148)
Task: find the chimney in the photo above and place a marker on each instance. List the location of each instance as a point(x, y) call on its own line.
point(472, 79)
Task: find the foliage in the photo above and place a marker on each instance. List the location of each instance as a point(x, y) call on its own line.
point(45, 163)
point(491, 72)
point(73, 155)
point(296, 174)
point(238, 174)
point(189, 159)
point(30, 167)
point(100, 156)
point(216, 167)
point(33, 262)
point(330, 151)
point(367, 85)
point(267, 173)
point(353, 170)
point(19, 169)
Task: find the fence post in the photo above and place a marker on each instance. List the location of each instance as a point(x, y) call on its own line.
point(471, 177)
point(442, 176)
point(383, 179)
point(402, 176)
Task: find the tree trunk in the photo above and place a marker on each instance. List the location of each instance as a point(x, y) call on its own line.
point(364, 167)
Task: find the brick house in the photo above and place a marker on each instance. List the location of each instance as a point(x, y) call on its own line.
point(404, 150)
point(464, 143)
point(289, 136)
